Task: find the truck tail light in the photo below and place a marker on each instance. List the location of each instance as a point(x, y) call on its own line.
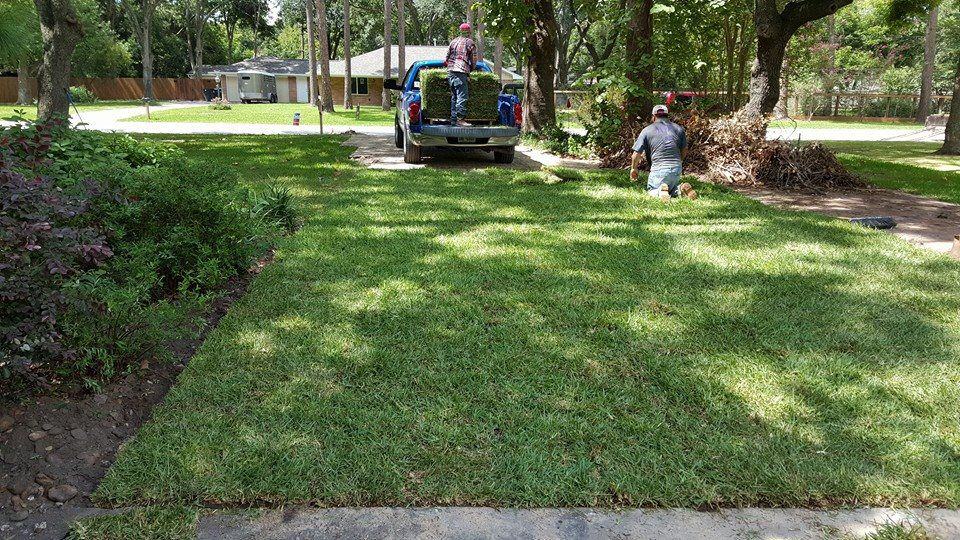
point(414, 112)
point(517, 114)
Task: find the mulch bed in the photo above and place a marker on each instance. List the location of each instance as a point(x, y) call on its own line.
point(55, 449)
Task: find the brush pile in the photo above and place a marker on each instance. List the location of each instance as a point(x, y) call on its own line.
point(733, 150)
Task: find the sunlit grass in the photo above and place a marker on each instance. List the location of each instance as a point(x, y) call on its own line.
point(272, 113)
point(906, 166)
point(847, 123)
point(9, 112)
point(456, 337)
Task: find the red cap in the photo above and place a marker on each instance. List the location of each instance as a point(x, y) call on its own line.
point(465, 27)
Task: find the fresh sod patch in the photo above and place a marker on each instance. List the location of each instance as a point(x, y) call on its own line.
point(457, 337)
point(272, 113)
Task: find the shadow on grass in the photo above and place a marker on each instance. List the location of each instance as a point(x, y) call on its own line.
point(444, 338)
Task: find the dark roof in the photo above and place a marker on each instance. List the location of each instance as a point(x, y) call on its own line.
point(269, 64)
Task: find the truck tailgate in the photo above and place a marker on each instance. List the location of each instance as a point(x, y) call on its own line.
point(474, 132)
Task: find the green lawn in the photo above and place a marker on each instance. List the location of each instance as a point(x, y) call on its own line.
point(846, 123)
point(907, 166)
point(8, 111)
point(272, 113)
point(477, 337)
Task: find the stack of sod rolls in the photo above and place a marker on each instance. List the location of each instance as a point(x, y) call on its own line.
point(483, 96)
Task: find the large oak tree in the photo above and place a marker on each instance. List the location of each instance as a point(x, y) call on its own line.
point(774, 28)
point(61, 31)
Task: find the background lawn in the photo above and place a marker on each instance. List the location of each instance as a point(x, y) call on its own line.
point(450, 337)
point(907, 166)
point(7, 111)
point(846, 123)
point(272, 113)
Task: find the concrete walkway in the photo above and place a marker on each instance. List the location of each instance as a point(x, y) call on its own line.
point(575, 523)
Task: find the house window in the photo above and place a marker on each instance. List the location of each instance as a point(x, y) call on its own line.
point(359, 86)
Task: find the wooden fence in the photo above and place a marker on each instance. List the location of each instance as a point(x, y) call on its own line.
point(124, 88)
point(864, 105)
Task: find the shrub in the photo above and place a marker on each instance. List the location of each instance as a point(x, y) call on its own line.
point(556, 140)
point(80, 94)
point(187, 224)
point(603, 117)
point(175, 228)
point(42, 251)
point(220, 104)
point(483, 97)
point(275, 206)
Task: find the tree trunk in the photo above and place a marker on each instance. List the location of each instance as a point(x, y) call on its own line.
point(498, 59)
point(780, 110)
point(830, 73)
point(326, 90)
point(929, 64)
point(774, 30)
point(61, 31)
point(231, 27)
point(401, 41)
point(479, 35)
point(312, 55)
point(347, 75)
point(540, 110)
point(387, 45)
point(765, 74)
point(23, 84)
point(639, 57)
point(146, 57)
point(951, 142)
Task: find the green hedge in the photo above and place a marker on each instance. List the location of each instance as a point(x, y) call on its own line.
point(481, 103)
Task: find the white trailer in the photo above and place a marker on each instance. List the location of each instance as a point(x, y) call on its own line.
point(257, 86)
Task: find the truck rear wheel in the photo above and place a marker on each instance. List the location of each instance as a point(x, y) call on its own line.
point(412, 153)
point(504, 156)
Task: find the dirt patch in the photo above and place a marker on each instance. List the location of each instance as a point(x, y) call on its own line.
point(54, 450)
point(927, 223)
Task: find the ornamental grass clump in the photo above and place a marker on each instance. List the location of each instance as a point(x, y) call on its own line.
point(483, 97)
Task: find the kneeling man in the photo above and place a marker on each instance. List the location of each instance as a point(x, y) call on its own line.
point(663, 144)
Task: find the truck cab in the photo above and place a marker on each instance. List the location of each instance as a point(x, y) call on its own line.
point(414, 133)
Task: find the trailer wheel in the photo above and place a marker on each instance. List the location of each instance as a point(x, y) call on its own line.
point(397, 134)
point(504, 156)
point(412, 153)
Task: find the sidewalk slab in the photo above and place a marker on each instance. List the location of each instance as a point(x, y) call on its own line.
point(559, 523)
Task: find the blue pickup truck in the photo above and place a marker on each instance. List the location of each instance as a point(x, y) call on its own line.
point(414, 133)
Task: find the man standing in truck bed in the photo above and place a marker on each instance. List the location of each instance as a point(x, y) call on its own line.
point(461, 60)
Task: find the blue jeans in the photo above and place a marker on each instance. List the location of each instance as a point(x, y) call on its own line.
point(669, 176)
point(458, 95)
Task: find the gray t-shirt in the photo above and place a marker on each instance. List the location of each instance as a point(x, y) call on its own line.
point(662, 142)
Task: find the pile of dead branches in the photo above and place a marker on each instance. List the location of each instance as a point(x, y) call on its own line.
point(733, 150)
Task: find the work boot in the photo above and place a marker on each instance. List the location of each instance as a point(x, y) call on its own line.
point(687, 191)
point(664, 192)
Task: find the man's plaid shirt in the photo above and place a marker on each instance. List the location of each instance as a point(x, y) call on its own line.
point(462, 55)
